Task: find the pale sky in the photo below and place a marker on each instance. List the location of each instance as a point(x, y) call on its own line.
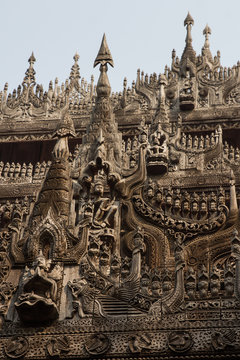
point(140, 34)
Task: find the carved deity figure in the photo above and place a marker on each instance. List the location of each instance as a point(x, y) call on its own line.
point(39, 291)
point(104, 208)
point(100, 153)
point(139, 248)
point(187, 86)
point(158, 143)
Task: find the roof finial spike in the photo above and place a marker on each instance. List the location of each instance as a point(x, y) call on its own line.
point(104, 55)
point(32, 59)
point(75, 72)
point(103, 58)
point(206, 53)
point(29, 78)
point(189, 22)
point(76, 57)
point(206, 32)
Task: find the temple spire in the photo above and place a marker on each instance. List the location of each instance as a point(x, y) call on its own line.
point(206, 32)
point(103, 58)
point(75, 73)
point(104, 55)
point(55, 193)
point(206, 48)
point(161, 114)
point(30, 73)
point(188, 59)
point(189, 22)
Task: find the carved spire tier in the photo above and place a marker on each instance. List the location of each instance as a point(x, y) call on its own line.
point(188, 58)
point(29, 78)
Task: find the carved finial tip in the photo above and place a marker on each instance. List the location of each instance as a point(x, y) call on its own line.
point(32, 58)
point(104, 55)
point(76, 57)
point(207, 30)
point(189, 20)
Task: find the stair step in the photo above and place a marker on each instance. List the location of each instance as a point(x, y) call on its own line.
point(115, 307)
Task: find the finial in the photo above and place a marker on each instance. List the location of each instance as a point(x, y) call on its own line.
point(32, 59)
point(173, 54)
point(104, 55)
point(75, 72)
point(189, 55)
point(206, 32)
point(29, 78)
point(103, 58)
point(189, 22)
point(206, 53)
point(76, 57)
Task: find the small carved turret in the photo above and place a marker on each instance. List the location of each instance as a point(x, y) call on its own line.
point(162, 114)
point(75, 74)
point(206, 53)
point(29, 78)
point(188, 58)
point(56, 190)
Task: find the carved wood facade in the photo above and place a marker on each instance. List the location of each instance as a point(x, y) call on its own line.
point(119, 218)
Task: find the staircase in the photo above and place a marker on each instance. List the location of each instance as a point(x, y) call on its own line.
point(115, 307)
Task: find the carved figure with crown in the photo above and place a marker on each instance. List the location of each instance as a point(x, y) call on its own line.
point(38, 299)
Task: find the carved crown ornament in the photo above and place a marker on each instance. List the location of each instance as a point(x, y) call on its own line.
point(125, 239)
